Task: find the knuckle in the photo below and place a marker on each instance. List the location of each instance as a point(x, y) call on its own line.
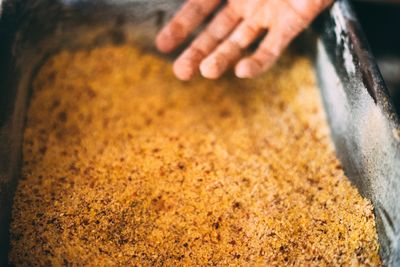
point(197, 52)
point(205, 42)
point(220, 27)
point(266, 54)
point(216, 33)
point(251, 28)
point(244, 35)
point(176, 29)
point(229, 15)
point(301, 14)
point(229, 49)
point(195, 7)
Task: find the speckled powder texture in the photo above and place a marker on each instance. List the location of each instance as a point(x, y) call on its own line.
point(125, 165)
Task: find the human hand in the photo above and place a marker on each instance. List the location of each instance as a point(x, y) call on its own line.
point(232, 30)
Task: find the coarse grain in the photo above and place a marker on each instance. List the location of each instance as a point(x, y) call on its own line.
point(125, 165)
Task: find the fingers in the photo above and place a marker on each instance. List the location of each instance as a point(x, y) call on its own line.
point(229, 51)
point(308, 9)
point(183, 23)
point(186, 66)
point(266, 54)
point(214, 65)
point(281, 33)
point(260, 61)
point(284, 19)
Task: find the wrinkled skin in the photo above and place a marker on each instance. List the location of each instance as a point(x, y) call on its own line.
point(232, 30)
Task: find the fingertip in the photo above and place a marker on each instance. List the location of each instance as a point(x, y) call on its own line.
point(184, 71)
point(164, 42)
point(247, 68)
point(210, 68)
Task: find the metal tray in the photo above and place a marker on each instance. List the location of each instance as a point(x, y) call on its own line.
point(363, 123)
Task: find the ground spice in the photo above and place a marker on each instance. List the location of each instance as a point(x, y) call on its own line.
point(126, 165)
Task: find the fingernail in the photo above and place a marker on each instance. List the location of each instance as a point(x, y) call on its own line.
point(211, 68)
point(246, 69)
point(165, 41)
point(184, 71)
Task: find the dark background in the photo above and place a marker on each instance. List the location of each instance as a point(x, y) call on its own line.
point(380, 20)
